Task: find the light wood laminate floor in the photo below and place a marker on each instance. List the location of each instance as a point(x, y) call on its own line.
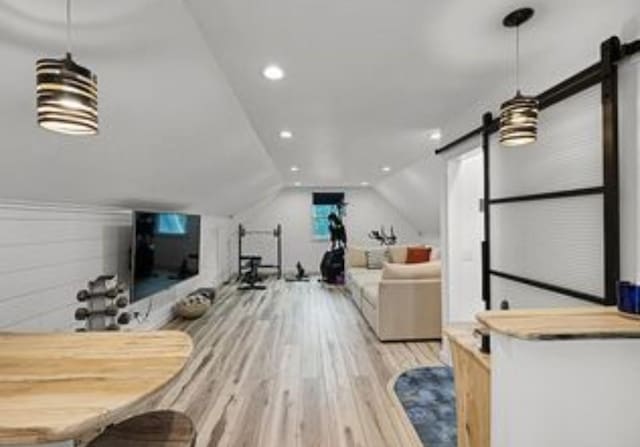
point(295, 365)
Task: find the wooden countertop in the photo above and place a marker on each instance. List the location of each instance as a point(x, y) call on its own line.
point(55, 387)
point(462, 334)
point(558, 324)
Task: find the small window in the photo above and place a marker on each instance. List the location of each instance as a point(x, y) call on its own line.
point(320, 215)
point(324, 203)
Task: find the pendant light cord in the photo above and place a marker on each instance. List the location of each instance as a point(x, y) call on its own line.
point(69, 27)
point(517, 58)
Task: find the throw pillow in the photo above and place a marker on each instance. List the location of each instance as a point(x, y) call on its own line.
point(376, 258)
point(356, 257)
point(398, 254)
point(416, 255)
point(425, 270)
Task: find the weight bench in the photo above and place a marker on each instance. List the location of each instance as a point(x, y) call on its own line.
point(251, 277)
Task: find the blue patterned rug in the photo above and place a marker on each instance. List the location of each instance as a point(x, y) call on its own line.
point(428, 397)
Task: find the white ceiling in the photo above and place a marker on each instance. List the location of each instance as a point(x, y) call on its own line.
point(187, 121)
point(367, 79)
point(173, 134)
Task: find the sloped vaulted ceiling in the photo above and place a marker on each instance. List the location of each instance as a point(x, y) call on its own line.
point(415, 191)
point(173, 135)
point(368, 79)
point(187, 121)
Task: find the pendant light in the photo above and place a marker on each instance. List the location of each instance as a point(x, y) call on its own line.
point(519, 115)
point(67, 93)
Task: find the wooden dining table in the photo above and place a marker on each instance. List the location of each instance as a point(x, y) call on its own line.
point(56, 388)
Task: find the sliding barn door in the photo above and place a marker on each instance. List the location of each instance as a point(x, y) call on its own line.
point(547, 244)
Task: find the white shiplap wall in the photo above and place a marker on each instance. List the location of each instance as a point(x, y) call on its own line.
point(48, 253)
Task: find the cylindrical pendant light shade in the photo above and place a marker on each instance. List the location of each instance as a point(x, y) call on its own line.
point(519, 121)
point(67, 97)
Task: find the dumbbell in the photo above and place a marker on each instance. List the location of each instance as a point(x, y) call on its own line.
point(124, 318)
point(113, 327)
point(102, 281)
point(111, 290)
point(85, 295)
point(111, 310)
point(81, 329)
point(110, 294)
point(122, 302)
point(105, 277)
point(82, 313)
point(113, 293)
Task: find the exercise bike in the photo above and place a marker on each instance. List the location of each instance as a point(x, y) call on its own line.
point(332, 264)
point(382, 237)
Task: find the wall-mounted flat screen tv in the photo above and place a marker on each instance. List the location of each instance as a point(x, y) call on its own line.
point(165, 252)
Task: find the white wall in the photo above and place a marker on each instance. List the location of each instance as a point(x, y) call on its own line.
point(464, 237)
point(48, 253)
point(225, 247)
point(366, 210)
point(415, 191)
point(465, 148)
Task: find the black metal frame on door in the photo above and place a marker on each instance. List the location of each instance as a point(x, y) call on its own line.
point(605, 73)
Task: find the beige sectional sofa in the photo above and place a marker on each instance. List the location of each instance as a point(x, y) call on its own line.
point(399, 301)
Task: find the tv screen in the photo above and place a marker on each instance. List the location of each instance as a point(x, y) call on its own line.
point(165, 252)
point(171, 223)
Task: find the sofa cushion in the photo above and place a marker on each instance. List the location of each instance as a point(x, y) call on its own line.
point(398, 254)
point(418, 254)
point(370, 293)
point(353, 273)
point(364, 276)
point(376, 258)
point(356, 257)
point(425, 270)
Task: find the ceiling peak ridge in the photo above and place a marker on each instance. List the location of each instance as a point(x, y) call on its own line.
point(218, 67)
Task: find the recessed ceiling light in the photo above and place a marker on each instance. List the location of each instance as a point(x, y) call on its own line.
point(294, 168)
point(286, 134)
point(297, 184)
point(386, 168)
point(435, 135)
point(364, 183)
point(273, 72)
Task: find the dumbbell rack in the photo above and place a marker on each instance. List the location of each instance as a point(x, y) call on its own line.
point(105, 305)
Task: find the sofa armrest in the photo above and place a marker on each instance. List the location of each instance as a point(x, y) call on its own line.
point(410, 309)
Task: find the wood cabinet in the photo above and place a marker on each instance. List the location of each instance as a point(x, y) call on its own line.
point(472, 371)
point(564, 377)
